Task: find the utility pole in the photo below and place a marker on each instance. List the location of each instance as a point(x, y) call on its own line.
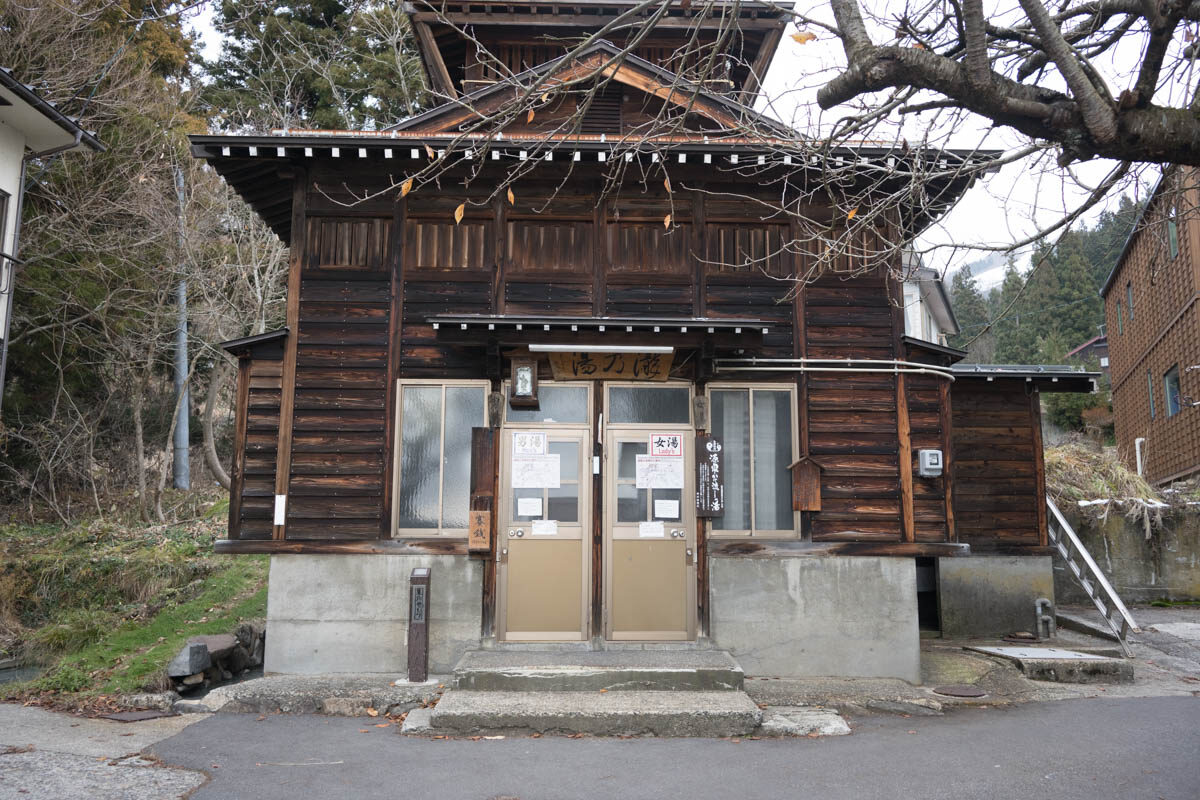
point(181, 469)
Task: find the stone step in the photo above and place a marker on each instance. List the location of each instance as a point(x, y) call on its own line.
point(1063, 666)
point(709, 714)
point(591, 671)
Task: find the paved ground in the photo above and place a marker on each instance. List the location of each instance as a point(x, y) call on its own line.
point(1085, 749)
point(47, 755)
point(1117, 741)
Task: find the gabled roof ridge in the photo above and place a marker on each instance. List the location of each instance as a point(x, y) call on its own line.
point(627, 59)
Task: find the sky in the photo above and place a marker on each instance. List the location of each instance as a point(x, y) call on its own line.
point(998, 210)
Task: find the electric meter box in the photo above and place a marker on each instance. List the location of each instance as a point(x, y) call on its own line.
point(929, 463)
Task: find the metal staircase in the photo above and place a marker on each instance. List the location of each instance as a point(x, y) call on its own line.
point(1073, 553)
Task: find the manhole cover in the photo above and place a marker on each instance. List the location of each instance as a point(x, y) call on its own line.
point(960, 690)
point(137, 716)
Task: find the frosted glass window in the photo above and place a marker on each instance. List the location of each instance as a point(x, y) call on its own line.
point(772, 457)
point(555, 404)
point(435, 455)
point(561, 504)
point(632, 502)
point(648, 405)
point(755, 426)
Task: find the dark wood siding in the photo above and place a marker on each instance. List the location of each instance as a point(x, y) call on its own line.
point(852, 419)
point(339, 441)
point(996, 463)
point(253, 484)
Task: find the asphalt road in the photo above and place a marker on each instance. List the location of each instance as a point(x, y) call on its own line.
point(1087, 749)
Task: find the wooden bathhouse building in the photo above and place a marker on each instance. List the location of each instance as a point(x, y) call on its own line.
point(604, 412)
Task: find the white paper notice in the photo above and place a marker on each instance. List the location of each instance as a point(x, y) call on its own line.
point(651, 530)
point(529, 443)
point(666, 509)
point(529, 506)
point(659, 472)
point(535, 472)
point(545, 527)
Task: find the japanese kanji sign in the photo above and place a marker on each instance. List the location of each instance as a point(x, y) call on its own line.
point(710, 477)
point(606, 366)
point(666, 444)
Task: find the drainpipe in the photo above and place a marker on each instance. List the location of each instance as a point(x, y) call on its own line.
point(16, 251)
point(1137, 450)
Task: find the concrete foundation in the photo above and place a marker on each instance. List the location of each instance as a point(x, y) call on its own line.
point(992, 595)
point(817, 617)
point(349, 613)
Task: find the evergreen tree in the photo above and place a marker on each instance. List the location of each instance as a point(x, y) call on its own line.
point(335, 64)
point(971, 311)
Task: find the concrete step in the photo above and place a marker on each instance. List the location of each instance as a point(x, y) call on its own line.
point(711, 714)
point(591, 671)
point(1063, 666)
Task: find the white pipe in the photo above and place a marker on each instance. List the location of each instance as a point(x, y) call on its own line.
point(1137, 450)
point(802, 365)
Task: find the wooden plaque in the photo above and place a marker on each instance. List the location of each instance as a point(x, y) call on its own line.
point(479, 532)
point(609, 366)
point(806, 485)
point(710, 476)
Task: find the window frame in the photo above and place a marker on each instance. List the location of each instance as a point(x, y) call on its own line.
point(1129, 299)
point(440, 532)
point(1177, 406)
point(751, 387)
point(668, 384)
point(542, 385)
point(1120, 320)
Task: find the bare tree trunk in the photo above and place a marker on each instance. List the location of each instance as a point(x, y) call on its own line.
point(140, 450)
point(210, 444)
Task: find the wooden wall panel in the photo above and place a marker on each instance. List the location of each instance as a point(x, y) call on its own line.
point(741, 248)
point(750, 298)
point(443, 245)
point(994, 461)
point(421, 354)
point(852, 418)
point(649, 247)
point(254, 485)
point(550, 246)
point(343, 347)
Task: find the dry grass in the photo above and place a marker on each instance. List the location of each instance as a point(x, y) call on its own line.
point(1079, 471)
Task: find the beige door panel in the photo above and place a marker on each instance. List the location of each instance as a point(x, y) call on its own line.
point(544, 561)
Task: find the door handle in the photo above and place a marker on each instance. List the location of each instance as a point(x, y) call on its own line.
point(677, 534)
point(691, 556)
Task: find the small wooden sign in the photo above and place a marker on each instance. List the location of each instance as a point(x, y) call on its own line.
point(607, 366)
point(479, 532)
point(806, 485)
point(710, 476)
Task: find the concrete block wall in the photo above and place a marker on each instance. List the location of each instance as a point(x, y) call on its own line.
point(818, 616)
point(349, 613)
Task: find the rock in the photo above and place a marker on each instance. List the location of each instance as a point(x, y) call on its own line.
point(193, 658)
point(194, 680)
point(418, 721)
point(915, 707)
point(247, 633)
point(161, 701)
point(800, 721)
point(219, 645)
point(237, 660)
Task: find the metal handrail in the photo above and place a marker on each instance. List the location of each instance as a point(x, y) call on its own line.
point(1111, 593)
point(889, 366)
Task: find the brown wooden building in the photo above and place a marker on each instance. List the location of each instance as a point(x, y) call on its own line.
point(1153, 326)
point(608, 415)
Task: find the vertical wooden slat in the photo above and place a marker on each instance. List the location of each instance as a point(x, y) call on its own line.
point(1039, 464)
point(483, 498)
point(905, 457)
point(396, 315)
point(237, 471)
point(287, 398)
point(698, 254)
point(947, 422)
point(598, 518)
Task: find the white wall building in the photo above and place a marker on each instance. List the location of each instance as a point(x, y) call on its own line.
point(927, 312)
point(30, 128)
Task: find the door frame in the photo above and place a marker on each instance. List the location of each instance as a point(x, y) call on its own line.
point(587, 511)
point(606, 504)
